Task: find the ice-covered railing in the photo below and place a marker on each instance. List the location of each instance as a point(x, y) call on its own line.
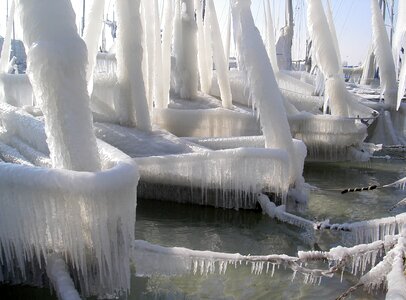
point(87, 218)
point(232, 173)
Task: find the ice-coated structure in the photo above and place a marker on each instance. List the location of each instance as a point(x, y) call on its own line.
point(284, 43)
point(83, 208)
point(5, 51)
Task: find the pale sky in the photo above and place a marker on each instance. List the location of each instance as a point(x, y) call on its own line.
point(352, 19)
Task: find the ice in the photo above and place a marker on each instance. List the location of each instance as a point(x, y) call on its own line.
point(16, 89)
point(368, 68)
point(57, 271)
point(87, 218)
point(204, 55)
point(52, 40)
point(270, 36)
point(284, 43)
point(384, 58)
point(185, 51)
point(264, 89)
point(396, 277)
point(219, 57)
point(91, 35)
point(399, 36)
point(331, 26)
point(157, 260)
point(106, 63)
point(131, 103)
point(233, 174)
point(166, 51)
point(402, 83)
point(341, 101)
point(6, 48)
point(12, 155)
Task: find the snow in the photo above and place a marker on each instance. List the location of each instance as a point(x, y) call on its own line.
point(62, 95)
point(131, 102)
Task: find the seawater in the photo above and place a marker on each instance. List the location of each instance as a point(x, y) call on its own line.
point(250, 232)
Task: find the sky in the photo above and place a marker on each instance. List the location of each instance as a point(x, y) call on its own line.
point(351, 17)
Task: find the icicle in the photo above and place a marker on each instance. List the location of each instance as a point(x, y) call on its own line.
point(131, 103)
point(91, 36)
point(5, 51)
point(384, 57)
point(220, 60)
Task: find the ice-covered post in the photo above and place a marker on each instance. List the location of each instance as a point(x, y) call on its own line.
point(384, 58)
point(166, 51)
point(265, 91)
point(219, 57)
point(131, 101)
point(5, 51)
point(185, 51)
point(91, 35)
point(57, 59)
point(284, 44)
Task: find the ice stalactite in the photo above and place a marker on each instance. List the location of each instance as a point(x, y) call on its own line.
point(341, 101)
point(384, 58)
point(185, 50)
point(205, 72)
point(91, 35)
point(219, 57)
point(131, 102)
point(167, 33)
point(270, 36)
point(57, 58)
point(265, 92)
point(6, 48)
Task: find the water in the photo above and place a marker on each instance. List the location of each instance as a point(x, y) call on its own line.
point(249, 232)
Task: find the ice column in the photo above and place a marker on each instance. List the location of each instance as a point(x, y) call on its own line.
point(399, 37)
point(341, 101)
point(220, 60)
point(166, 51)
point(91, 36)
point(5, 51)
point(333, 32)
point(131, 102)
point(264, 87)
point(384, 57)
point(57, 59)
point(185, 51)
point(202, 57)
point(270, 36)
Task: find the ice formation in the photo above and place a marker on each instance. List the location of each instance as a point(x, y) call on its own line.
point(396, 277)
point(219, 57)
point(341, 101)
point(166, 51)
point(270, 36)
point(331, 26)
point(48, 29)
point(5, 51)
point(185, 50)
point(284, 43)
point(91, 35)
point(264, 89)
point(384, 58)
point(57, 271)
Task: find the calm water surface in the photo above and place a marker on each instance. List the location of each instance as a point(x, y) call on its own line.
point(248, 232)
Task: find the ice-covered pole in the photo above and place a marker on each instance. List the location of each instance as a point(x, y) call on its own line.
point(166, 51)
point(265, 91)
point(5, 51)
point(270, 36)
point(131, 102)
point(57, 59)
point(219, 57)
point(91, 36)
point(185, 51)
point(384, 58)
point(332, 28)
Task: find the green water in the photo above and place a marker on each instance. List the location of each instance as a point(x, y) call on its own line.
point(249, 232)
